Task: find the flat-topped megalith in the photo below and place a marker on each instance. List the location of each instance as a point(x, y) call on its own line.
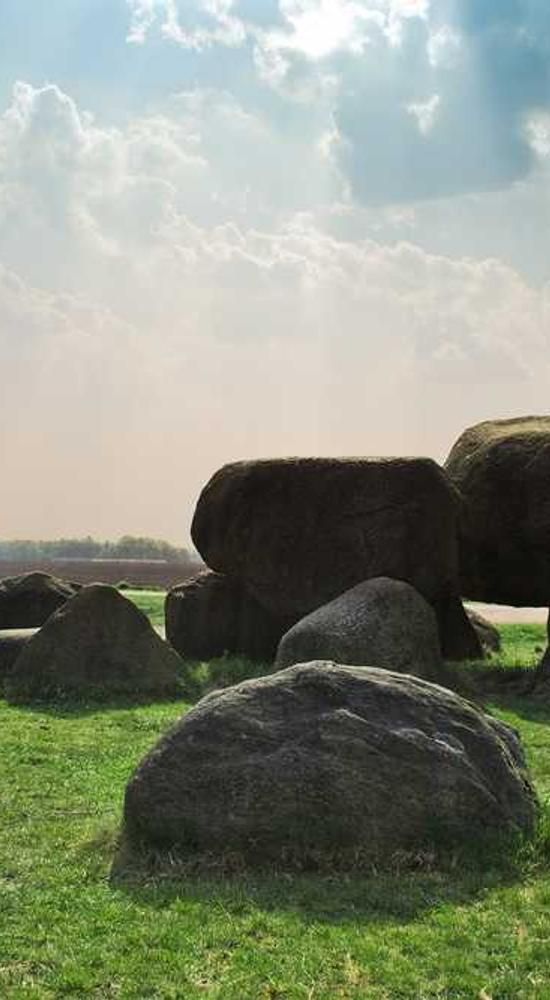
point(300, 531)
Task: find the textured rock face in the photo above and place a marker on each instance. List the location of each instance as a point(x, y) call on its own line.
point(379, 623)
point(502, 470)
point(27, 601)
point(299, 532)
point(12, 641)
point(212, 614)
point(323, 757)
point(542, 677)
point(488, 634)
point(96, 645)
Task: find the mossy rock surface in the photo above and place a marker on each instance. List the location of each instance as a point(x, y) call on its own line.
point(501, 469)
point(27, 601)
point(12, 642)
point(212, 614)
point(99, 644)
point(298, 532)
point(378, 623)
point(327, 758)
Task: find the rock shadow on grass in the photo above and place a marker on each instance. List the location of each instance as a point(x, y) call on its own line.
point(401, 890)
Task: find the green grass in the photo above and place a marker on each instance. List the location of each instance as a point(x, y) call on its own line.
point(66, 931)
point(523, 645)
point(149, 601)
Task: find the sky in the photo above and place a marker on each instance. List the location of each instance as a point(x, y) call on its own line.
point(234, 229)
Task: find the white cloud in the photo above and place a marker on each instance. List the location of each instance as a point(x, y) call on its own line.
point(143, 16)
point(314, 29)
point(319, 28)
point(361, 59)
point(444, 47)
point(198, 24)
point(538, 133)
point(400, 11)
point(127, 235)
point(146, 292)
point(111, 191)
point(425, 113)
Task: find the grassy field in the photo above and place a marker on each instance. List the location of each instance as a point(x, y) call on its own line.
point(523, 645)
point(149, 601)
point(66, 931)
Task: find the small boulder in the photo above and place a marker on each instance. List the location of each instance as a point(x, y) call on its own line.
point(213, 614)
point(501, 469)
point(378, 623)
point(27, 601)
point(488, 634)
point(12, 641)
point(322, 757)
point(97, 645)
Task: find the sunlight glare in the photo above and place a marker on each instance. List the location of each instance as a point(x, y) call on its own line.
point(325, 27)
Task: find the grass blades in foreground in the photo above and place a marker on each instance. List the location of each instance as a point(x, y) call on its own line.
point(65, 931)
point(522, 645)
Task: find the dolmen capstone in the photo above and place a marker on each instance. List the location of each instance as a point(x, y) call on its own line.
point(383, 622)
point(322, 757)
point(212, 614)
point(299, 532)
point(27, 601)
point(501, 469)
point(97, 645)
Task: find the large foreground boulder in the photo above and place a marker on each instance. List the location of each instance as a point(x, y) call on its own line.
point(99, 644)
point(213, 614)
point(299, 532)
point(502, 471)
point(378, 623)
point(27, 601)
point(322, 757)
point(12, 641)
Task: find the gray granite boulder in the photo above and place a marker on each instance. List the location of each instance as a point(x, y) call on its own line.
point(501, 469)
point(322, 757)
point(27, 601)
point(12, 641)
point(488, 634)
point(213, 614)
point(97, 645)
point(378, 623)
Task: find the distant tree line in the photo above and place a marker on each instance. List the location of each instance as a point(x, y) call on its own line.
point(127, 547)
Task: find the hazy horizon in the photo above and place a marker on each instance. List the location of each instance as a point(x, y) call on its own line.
point(248, 228)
